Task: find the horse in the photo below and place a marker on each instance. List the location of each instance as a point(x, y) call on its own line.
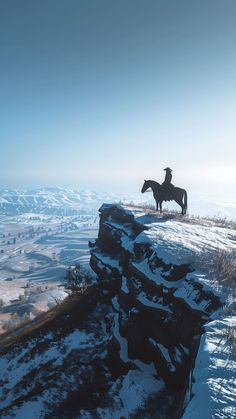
point(159, 194)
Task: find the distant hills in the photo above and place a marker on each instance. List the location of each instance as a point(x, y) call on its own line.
point(62, 201)
point(51, 201)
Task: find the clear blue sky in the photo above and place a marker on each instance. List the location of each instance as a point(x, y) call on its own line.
point(103, 93)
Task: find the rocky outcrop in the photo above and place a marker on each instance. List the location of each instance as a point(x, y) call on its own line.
point(160, 303)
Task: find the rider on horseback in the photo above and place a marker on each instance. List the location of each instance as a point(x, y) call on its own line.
point(173, 193)
point(167, 185)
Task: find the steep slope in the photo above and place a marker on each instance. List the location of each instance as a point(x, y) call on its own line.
point(66, 367)
point(58, 369)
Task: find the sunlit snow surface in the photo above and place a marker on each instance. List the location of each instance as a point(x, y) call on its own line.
point(176, 240)
point(214, 388)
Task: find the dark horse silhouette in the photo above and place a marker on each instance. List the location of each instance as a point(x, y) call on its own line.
point(159, 193)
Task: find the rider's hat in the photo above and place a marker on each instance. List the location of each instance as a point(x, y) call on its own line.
point(168, 169)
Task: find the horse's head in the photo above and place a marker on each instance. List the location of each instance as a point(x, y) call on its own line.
point(146, 185)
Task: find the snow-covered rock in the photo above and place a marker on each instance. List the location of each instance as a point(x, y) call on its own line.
point(145, 262)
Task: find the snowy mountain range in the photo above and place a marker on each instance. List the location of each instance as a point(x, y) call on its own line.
point(50, 200)
point(62, 201)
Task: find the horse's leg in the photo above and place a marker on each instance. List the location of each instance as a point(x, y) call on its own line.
point(160, 203)
point(181, 199)
point(179, 202)
point(156, 204)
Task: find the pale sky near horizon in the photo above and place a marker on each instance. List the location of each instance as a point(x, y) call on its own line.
point(102, 94)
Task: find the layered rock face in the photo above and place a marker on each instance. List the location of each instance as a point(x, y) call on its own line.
point(160, 304)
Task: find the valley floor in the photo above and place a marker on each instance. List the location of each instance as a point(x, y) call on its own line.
point(35, 253)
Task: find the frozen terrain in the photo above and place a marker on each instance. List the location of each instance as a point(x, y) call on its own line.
point(36, 251)
point(43, 231)
point(91, 358)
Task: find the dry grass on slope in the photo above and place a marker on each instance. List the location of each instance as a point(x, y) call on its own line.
point(77, 299)
point(220, 266)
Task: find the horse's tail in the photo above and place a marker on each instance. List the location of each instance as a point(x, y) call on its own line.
point(185, 200)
